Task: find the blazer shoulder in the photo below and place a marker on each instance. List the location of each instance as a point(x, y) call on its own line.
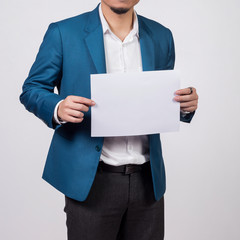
point(78, 21)
point(154, 26)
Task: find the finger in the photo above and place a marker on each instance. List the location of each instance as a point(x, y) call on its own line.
point(186, 98)
point(189, 109)
point(184, 91)
point(189, 104)
point(82, 100)
point(73, 119)
point(78, 107)
point(75, 113)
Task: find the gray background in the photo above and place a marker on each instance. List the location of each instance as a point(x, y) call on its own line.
point(202, 160)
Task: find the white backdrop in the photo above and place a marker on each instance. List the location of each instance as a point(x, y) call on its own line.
point(202, 160)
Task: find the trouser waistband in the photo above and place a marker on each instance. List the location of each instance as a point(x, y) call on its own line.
point(126, 169)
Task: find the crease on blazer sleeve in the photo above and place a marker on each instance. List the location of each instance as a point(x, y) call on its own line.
point(38, 94)
point(171, 52)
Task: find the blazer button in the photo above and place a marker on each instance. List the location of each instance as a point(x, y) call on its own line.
point(98, 148)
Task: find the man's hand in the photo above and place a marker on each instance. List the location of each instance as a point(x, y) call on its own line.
point(72, 107)
point(188, 99)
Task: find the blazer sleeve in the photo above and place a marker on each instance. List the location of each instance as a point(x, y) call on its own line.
point(171, 62)
point(38, 94)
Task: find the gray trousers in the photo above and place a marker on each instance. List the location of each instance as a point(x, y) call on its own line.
point(118, 207)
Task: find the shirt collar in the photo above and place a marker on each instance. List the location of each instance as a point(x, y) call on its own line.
point(106, 28)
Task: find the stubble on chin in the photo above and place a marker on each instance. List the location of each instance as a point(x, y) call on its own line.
point(120, 10)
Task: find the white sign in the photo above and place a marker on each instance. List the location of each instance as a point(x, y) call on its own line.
point(134, 103)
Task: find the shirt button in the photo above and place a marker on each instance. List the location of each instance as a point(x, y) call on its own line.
point(98, 148)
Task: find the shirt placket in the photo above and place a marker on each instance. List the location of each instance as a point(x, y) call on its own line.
point(122, 57)
point(129, 146)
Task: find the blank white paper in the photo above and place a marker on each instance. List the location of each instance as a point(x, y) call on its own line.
point(136, 103)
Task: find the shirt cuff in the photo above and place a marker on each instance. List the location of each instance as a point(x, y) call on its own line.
point(184, 114)
point(55, 116)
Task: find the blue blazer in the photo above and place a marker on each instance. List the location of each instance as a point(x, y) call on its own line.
point(71, 50)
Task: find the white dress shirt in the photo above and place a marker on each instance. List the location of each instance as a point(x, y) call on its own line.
point(123, 57)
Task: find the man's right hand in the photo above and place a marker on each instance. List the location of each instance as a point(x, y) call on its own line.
point(72, 107)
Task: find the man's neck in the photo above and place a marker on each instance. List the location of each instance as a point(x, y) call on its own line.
point(120, 24)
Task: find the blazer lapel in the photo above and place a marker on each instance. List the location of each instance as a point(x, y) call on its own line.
point(146, 45)
point(94, 41)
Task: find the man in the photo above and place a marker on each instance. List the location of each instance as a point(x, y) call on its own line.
point(113, 186)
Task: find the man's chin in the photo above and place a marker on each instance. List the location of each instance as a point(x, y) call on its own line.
point(120, 10)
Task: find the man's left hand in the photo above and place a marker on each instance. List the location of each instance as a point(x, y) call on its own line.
point(188, 99)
